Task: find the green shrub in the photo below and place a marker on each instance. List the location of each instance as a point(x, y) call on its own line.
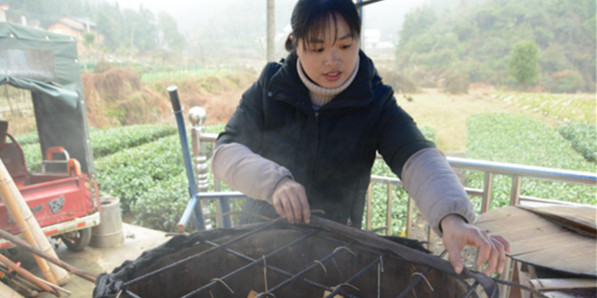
point(33, 156)
point(105, 142)
point(399, 82)
point(130, 173)
point(520, 139)
point(583, 137)
point(567, 81)
point(28, 138)
point(162, 204)
point(454, 82)
point(523, 63)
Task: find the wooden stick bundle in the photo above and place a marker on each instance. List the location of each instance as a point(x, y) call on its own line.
point(7, 194)
point(16, 240)
point(12, 195)
point(27, 275)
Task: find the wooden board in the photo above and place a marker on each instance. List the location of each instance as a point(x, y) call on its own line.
point(537, 241)
point(576, 218)
point(563, 283)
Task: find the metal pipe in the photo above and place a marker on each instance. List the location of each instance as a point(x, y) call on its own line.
point(273, 268)
point(193, 204)
point(523, 170)
point(243, 268)
point(304, 271)
point(182, 261)
point(354, 277)
point(487, 188)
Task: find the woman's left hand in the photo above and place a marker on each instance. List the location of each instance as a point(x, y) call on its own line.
point(457, 234)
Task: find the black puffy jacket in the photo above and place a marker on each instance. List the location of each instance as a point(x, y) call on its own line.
point(330, 152)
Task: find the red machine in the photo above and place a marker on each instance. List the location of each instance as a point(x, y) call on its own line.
point(63, 195)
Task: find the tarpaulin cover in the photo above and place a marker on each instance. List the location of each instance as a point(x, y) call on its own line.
point(47, 64)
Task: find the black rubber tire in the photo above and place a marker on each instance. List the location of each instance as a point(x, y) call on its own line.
point(77, 240)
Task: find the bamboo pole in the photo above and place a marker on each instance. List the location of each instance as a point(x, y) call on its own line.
point(27, 275)
point(60, 275)
point(8, 194)
point(8, 292)
point(20, 284)
point(16, 240)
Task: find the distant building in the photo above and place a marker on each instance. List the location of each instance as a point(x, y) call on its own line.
point(373, 40)
point(77, 28)
point(3, 8)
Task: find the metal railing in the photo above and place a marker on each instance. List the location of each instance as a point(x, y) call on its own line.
point(488, 168)
point(517, 172)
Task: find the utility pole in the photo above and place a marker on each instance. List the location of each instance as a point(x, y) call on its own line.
point(271, 30)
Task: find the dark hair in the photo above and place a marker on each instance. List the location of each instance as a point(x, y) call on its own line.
point(310, 17)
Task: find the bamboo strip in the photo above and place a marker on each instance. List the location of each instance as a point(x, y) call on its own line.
point(16, 240)
point(60, 275)
point(27, 275)
point(42, 241)
point(9, 194)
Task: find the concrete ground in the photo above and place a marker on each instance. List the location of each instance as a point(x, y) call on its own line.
point(99, 260)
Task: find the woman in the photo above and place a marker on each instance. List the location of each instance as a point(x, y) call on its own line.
point(305, 136)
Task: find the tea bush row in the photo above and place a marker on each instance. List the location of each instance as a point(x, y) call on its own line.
point(103, 142)
point(129, 173)
point(569, 107)
point(583, 138)
point(520, 139)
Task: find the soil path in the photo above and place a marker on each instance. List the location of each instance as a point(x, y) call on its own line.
point(447, 114)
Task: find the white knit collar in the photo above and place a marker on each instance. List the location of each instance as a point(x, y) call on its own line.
point(320, 95)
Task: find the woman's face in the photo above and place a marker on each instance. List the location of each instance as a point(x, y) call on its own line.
point(329, 62)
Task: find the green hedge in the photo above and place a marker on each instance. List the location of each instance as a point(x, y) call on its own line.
point(129, 173)
point(521, 139)
point(28, 138)
point(161, 205)
point(105, 142)
point(583, 137)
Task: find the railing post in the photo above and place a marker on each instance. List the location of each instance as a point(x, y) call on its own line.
point(487, 186)
point(515, 191)
point(409, 217)
point(197, 116)
point(193, 206)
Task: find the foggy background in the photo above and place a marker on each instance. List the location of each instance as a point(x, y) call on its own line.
point(218, 27)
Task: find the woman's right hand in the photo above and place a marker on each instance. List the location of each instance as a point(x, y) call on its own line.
point(290, 201)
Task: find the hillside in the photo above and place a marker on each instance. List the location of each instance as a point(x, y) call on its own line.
point(475, 39)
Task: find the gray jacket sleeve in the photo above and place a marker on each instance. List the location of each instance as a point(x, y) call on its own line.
point(435, 188)
point(246, 171)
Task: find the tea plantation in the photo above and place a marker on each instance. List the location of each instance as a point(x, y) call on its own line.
point(143, 165)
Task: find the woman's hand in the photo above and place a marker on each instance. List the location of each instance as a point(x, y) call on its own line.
point(457, 234)
point(290, 201)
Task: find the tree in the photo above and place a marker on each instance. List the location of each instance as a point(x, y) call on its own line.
point(89, 39)
point(523, 63)
point(170, 37)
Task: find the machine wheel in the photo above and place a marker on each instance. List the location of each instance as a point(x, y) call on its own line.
point(77, 240)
